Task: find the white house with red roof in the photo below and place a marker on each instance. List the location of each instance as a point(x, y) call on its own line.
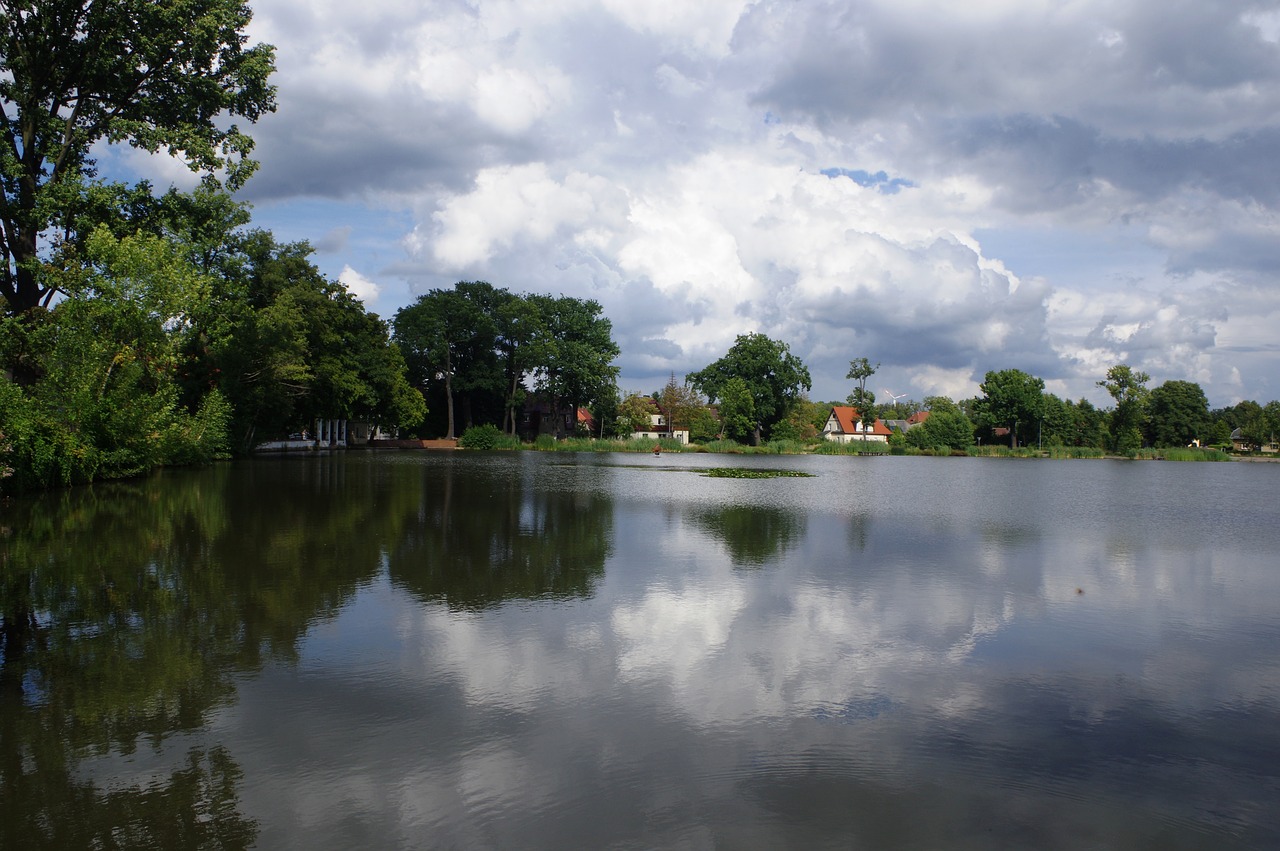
point(844, 425)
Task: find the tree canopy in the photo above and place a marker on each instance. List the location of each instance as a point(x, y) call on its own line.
point(773, 379)
point(157, 76)
point(1013, 399)
point(480, 342)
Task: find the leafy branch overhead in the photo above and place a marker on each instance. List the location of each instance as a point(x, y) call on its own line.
point(158, 76)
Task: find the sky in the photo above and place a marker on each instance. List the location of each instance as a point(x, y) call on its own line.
point(943, 188)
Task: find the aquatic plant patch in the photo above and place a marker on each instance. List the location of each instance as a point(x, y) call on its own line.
point(744, 473)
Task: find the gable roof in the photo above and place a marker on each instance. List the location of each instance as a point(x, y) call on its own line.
point(847, 418)
point(918, 417)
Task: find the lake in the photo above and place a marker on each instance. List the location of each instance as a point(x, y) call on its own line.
point(546, 650)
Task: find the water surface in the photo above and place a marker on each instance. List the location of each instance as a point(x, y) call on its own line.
point(538, 650)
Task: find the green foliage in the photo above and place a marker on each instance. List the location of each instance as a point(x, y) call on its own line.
point(159, 76)
point(450, 335)
point(480, 437)
point(762, 370)
point(860, 369)
point(1128, 388)
point(1177, 414)
point(943, 429)
point(287, 345)
point(782, 446)
point(1180, 453)
point(703, 425)
point(477, 342)
point(106, 400)
point(545, 443)
point(799, 424)
point(853, 447)
point(726, 447)
point(633, 413)
point(738, 410)
point(1014, 400)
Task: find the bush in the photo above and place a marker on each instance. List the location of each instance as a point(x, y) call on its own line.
point(482, 437)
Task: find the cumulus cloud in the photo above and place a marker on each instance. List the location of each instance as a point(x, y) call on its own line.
point(841, 176)
point(359, 286)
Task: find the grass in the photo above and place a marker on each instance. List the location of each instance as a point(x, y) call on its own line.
point(1179, 453)
point(853, 447)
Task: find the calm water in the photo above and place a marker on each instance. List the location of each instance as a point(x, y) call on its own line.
point(552, 651)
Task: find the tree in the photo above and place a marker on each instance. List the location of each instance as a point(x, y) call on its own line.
point(949, 429)
point(679, 402)
point(633, 413)
point(160, 76)
point(1128, 388)
point(860, 369)
point(520, 334)
point(1177, 414)
point(444, 335)
point(575, 353)
point(289, 345)
point(1012, 398)
point(772, 376)
point(738, 416)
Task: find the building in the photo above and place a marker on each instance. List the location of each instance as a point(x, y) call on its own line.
point(844, 425)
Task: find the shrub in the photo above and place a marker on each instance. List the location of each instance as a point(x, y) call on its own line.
point(482, 437)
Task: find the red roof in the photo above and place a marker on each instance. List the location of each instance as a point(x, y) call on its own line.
point(918, 417)
point(848, 418)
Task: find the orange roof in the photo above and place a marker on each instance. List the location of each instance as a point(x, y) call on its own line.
point(918, 417)
point(848, 418)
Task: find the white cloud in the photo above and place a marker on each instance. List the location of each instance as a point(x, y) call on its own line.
point(359, 286)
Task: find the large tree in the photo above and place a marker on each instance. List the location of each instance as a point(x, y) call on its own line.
point(575, 353)
point(1013, 399)
point(1177, 414)
point(860, 369)
point(774, 378)
point(1129, 388)
point(437, 334)
point(160, 75)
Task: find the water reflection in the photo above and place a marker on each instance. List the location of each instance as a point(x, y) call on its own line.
point(483, 534)
point(753, 535)
point(524, 651)
point(128, 609)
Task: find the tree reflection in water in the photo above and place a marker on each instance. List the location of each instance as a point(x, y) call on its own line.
point(128, 608)
point(477, 546)
point(753, 535)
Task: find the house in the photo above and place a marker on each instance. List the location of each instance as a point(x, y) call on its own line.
point(658, 428)
point(1242, 444)
point(844, 425)
point(538, 418)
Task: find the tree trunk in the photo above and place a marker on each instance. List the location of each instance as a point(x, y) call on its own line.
point(448, 395)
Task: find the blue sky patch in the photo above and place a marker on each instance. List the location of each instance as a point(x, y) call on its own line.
point(882, 181)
